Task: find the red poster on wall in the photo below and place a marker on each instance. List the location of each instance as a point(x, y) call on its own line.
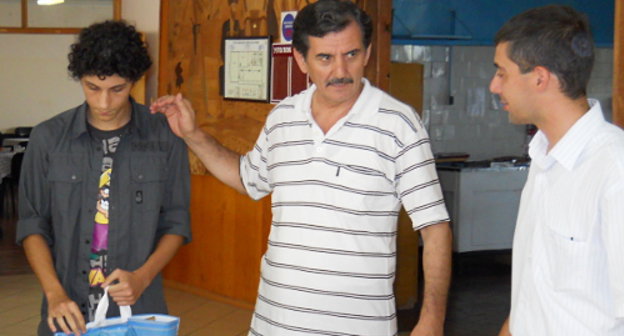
point(286, 78)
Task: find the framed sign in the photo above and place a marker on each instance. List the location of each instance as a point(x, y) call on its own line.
point(247, 68)
point(287, 79)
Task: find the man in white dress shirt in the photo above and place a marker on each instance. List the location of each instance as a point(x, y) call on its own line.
point(339, 160)
point(568, 252)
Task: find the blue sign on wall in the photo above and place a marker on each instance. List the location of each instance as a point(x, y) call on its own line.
point(475, 22)
point(287, 27)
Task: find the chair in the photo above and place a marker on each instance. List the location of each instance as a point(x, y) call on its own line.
point(10, 185)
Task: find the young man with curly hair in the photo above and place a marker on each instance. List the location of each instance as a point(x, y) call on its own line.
point(104, 190)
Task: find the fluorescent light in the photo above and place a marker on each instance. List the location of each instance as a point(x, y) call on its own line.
point(49, 2)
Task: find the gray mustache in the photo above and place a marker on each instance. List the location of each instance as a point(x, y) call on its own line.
point(340, 81)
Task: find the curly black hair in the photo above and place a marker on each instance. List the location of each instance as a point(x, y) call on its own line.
point(109, 48)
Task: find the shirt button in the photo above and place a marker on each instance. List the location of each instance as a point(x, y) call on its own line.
point(73, 177)
point(84, 272)
point(87, 241)
point(140, 176)
point(319, 149)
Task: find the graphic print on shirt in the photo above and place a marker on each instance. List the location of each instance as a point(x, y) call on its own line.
point(99, 243)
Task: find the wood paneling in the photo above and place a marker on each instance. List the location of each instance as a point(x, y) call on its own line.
point(190, 58)
point(138, 90)
point(378, 69)
point(229, 237)
point(406, 83)
point(618, 64)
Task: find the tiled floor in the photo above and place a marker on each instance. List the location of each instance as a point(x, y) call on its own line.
point(478, 301)
point(20, 299)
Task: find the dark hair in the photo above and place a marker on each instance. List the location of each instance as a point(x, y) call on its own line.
point(556, 37)
point(329, 16)
point(109, 48)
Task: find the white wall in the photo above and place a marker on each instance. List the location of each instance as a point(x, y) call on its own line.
point(34, 83)
point(474, 122)
point(145, 16)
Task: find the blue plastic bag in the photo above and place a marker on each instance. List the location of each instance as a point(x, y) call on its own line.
point(128, 325)
point(153, 325)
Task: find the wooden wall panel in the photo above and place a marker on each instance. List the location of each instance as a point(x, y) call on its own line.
point(229, 237)
point(190, 57)
point(618, 64)
point(378, 69)
point(406, 83)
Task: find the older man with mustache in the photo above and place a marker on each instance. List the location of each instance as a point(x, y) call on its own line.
point(339, 159)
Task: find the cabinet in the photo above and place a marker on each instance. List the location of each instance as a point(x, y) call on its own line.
point(483, 205)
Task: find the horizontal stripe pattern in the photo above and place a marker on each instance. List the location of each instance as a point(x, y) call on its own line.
point(334, 229)
point(329, 272)
point(331, 256)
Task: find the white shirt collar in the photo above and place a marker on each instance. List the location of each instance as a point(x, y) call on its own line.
point(364, 99)
point(567, 151)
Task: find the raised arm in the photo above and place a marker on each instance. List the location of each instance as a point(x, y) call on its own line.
point(219, 160)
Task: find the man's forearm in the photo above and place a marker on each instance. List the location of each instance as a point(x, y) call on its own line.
point(437, 272)
point(165, 250)
point(40, 259)
point(222, 162)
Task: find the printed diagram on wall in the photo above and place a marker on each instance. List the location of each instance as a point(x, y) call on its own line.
point(247, 68)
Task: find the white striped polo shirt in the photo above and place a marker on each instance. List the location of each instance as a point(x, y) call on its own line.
point(330, 263)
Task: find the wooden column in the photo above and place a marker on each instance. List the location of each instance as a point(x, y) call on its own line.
point(378, 69)
point(618, 64)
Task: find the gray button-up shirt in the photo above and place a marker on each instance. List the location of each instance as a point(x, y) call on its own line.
point(150, 194)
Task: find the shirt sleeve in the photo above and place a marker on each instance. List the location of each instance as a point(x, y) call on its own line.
point(175, 216)
point(416, 178)
point(34, 190)
point(612, 214)
point(253, 168)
